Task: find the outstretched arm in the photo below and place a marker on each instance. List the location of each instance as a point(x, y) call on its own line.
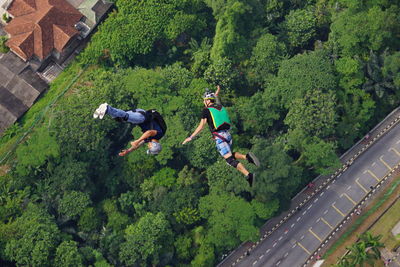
point(217, 100)
point(197, 131)
point(218, 90)
point(137, 143)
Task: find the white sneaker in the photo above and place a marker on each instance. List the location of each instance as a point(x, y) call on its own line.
point(100, 111)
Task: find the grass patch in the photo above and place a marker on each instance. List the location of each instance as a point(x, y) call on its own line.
point(385, 225)
point(360, 220)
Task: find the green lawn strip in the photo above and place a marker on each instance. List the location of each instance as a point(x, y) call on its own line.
point(361, 219)
point(385, 224)
point(30, 119)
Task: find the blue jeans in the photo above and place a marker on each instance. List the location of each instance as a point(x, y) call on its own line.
point(132, 117)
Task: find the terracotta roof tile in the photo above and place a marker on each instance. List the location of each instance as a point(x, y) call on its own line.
point(50, 24)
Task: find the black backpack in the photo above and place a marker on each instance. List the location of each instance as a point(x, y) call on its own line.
point(153, 115)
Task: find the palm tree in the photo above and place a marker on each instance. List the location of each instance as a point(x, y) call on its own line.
point(373, 243)
point(364, 251)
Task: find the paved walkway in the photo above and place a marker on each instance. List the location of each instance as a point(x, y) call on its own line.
point(322, 183)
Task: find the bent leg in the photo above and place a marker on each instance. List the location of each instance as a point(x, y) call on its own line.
point(238, 155)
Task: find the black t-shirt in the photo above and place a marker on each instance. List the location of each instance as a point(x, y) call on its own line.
point(146, 126)
point(207, 115)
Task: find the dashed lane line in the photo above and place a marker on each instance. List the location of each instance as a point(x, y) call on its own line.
point(316, 200)
point(280, 238)
point(309, 207)
point(292, 226)
point(274, 245)
point(298, 219)
point(321, 194)
point(348, 188)
point(261, 257)
point(304, 212)
point(286, 254)
point(268, 250)
point(325, 212)
point(254, 263)
point(278, 263)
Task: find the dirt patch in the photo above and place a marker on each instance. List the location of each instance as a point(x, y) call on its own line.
point(4, 169)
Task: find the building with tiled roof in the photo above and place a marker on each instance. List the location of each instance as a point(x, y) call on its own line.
point(40, 27)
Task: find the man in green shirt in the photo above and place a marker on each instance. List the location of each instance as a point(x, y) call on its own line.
point(219, 123)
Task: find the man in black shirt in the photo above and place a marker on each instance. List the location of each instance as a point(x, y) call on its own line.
point(151, 128)
point(219, 123)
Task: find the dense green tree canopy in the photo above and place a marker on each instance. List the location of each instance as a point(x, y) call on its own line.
point(302, 82)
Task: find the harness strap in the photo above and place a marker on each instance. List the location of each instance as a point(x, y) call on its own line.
point(215, 134)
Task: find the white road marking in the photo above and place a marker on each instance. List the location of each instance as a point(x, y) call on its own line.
point(348, 188)
point(280, 238)
point(302, 237)
point(274, 245)
point(261, 257)
point(398, 142)
point(309, 207)
point(278, 263)
point(254, 263)
point(325, 212)
point(373, 164)
point(304, 212)
point(328, 187)
point(287, 253)
point(267, 250)
point(292, 226)
point(298, 219)
point(334, 180)
point(321, 194)
point(316, 200)
point(318, 219)
point(294, 246)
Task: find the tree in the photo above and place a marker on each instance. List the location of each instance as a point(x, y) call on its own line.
point(74, 203)
point(366, 250)
point(277, 177)
point(138, 25)
point(230, 220)
point(90, 220)
point(116, 220)
point(221, 72)
point(300, 74)
point(300, 27)
point(35, 238)
point(67, 255)
point(313, 115)
point(378, 31)
point(146, 240)
point(265, 58)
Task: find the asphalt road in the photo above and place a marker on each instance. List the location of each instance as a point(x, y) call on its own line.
point(292, 243)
